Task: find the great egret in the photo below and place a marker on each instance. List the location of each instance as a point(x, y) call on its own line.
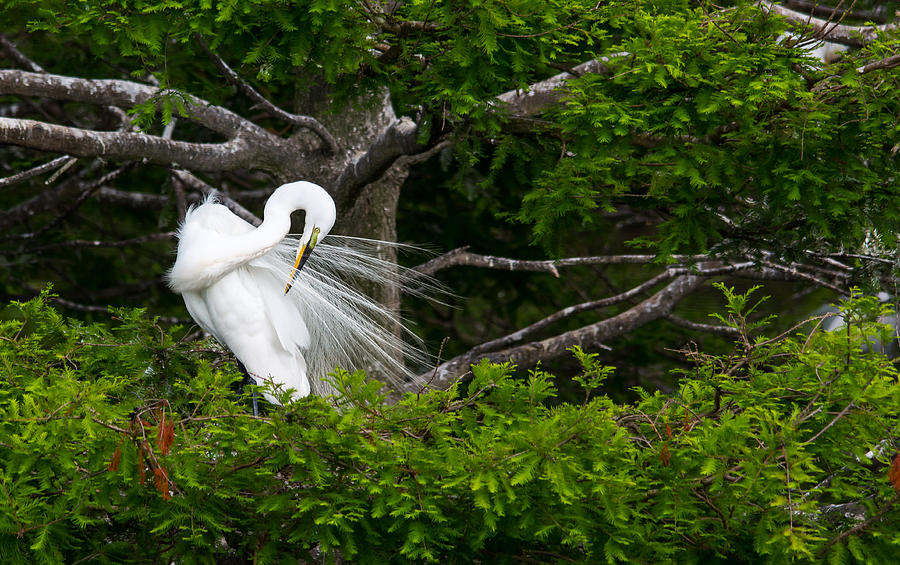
point(285, 312)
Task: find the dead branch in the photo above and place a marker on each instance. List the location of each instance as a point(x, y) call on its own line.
point(193, 182)
point(248, 145)
point(127, 146)
point(568, 312)
point(886, 63)
point(727, 331)
point(164, 236)
point(548, 92)
point(7, 47)
point(33, 172)
point(853, 36)
point(303, 121)
point(398, 139)
point(591, 336)
point(141, 200)
point(462, 257)
point(877, 14)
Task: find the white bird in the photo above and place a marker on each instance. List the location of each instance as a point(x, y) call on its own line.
point(287, 324)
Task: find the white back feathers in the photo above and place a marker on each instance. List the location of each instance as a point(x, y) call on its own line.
point(233, 276)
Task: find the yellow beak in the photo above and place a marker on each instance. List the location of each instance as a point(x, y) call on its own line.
point(302, 256)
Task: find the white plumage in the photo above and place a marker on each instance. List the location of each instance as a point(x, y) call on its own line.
point(233, 278)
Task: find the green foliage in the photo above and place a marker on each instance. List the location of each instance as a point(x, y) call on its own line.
point(728, 137)
point(729, 134)
point(114, 438)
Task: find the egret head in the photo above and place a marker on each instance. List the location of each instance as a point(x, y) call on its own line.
point(320, 217)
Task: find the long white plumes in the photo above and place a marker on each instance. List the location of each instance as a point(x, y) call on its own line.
point(347, 328)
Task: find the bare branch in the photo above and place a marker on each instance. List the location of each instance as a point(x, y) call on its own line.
point(128, 146)
point(98, 243)
point(248, 146)
point(646, 286)
point(548, 92)
point(120, 93)
point(727, 331)
point(36, 171)
point(793, 272)
point(303, 121)
point(861, 257)
point(52, 199)
point(7, 46)
point(657, 306)
point(86, 192)
point(398, 139)
point(140, 200)
point(862, 525)
point(887, 63)
point(462, 257)
point(877, 14)
point(80, 307)
point(570, 311)
point(854, 36)
point(197, 184)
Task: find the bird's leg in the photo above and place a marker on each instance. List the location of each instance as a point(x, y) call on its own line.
point(248, 380)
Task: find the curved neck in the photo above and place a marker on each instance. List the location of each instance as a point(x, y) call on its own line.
point(257, 242)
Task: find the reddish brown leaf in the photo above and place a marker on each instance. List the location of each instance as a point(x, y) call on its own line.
point(117, 456)
point(665, 456)
point(668, 431)
point(161, 481)
point(160, 428)
point(894, 473)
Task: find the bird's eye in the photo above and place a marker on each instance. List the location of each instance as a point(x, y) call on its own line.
point(315, 230)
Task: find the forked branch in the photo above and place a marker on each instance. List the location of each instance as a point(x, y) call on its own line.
point(303, 121)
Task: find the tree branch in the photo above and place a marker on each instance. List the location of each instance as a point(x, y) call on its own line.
point(164, 236)
point(85, 194)
point(853, 36)
point(36, 171)
point(570, 311)
point(119, 93)
point(861, 526)
point(548, 92)
point(887, 63)
point(142, 200)
point(303, 121)
point(13, 52)
point(128, 146)
point(248, 146)
point(877, 14)
point(463, 257)
point(657, 306)
point(398, 139)
point(727, 331)
point(197, 184)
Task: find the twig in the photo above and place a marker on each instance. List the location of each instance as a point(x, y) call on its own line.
point(525, 332)
point(303, 121)
point(98, 243)
point(861, 526)
point(705, 328)
point(462, 257)
point(794, 272)
point(66, 166)
point(887, 63)
point(17, 56)
point(85, 194)
point(39, 170)
point(197, 184)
